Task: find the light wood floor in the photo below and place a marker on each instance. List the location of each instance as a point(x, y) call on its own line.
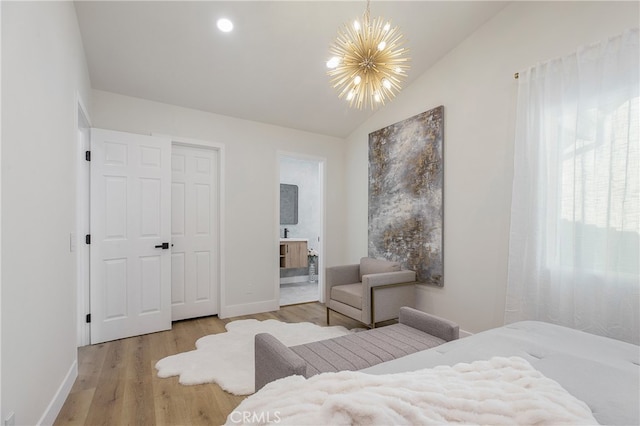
point(117, 382)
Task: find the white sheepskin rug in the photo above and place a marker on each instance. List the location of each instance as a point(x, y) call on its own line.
point(228, 358)
point(500, 391)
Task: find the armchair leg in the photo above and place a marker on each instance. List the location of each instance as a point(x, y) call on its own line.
point(327, 316)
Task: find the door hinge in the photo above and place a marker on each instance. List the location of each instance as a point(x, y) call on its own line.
point(87, 239)
point(87, 155)
point(88, 318)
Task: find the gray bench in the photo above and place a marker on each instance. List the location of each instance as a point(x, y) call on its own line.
point(415, 331)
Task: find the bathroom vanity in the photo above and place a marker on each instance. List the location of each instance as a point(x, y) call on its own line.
point(293, 253)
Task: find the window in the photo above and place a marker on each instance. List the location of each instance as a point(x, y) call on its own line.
point(599, 213)
point(574, 248)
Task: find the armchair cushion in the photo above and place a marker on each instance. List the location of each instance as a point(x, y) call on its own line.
point(349, 294)
point(377, 266)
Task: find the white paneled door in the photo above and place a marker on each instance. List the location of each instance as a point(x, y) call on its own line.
point(130, 234)
point(194, 232)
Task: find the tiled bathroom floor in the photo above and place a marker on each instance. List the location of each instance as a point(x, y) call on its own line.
point(298, 293)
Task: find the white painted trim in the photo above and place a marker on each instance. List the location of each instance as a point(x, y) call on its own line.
point(83, 173)
point(220, 147)
point(249, 308)
point(276, 214)
point(322, 166)
point(54, 407)
point(1, 215)
point(464, 333)
point(322, 179)
point(83, 109)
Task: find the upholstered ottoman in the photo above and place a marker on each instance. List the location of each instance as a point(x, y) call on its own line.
point(415, 331)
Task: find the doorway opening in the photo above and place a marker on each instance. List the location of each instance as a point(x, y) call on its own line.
point(302, 225)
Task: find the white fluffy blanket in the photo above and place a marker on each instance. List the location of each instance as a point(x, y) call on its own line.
point(228, 358)
point(500, 391)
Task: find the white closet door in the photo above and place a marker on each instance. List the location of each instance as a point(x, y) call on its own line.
point(130, 234)
point(194, 232)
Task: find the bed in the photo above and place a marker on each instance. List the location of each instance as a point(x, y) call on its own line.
point(600, 372)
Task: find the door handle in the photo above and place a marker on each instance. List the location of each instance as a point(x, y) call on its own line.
point(163, 246)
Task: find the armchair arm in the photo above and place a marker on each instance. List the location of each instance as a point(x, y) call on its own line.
point(430, 324)
point(372, 281)
point(383, 278)
point(273, 360)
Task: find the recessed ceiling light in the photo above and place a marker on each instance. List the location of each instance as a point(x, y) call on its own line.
point(224, 25)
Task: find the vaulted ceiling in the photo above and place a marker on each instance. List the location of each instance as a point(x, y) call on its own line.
point(270, 68)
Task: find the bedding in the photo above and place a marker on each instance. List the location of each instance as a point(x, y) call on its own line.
point(499, 391)
point(602, 372)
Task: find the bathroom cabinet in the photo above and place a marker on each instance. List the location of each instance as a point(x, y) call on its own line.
point(293, 254)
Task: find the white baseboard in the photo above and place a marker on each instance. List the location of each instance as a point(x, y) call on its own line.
point(249, 308)
point(464, 333)
point(51, 413)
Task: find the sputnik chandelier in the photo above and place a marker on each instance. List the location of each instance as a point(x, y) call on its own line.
point(368, 62)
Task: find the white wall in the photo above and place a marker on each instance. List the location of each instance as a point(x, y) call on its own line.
point(252, 181)
point(43, 68)
point(475, 84)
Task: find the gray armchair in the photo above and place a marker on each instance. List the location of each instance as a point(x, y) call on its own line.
point(372, 291)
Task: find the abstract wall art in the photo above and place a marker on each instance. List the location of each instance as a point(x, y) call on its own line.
point(406, 182)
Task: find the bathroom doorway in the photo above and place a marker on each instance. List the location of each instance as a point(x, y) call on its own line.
point(301, 221)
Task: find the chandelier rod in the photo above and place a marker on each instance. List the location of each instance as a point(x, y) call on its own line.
point(367, 13)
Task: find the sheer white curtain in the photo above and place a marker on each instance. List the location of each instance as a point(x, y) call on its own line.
point(575, 215)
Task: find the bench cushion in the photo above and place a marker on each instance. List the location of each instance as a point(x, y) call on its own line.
point(364, 349)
